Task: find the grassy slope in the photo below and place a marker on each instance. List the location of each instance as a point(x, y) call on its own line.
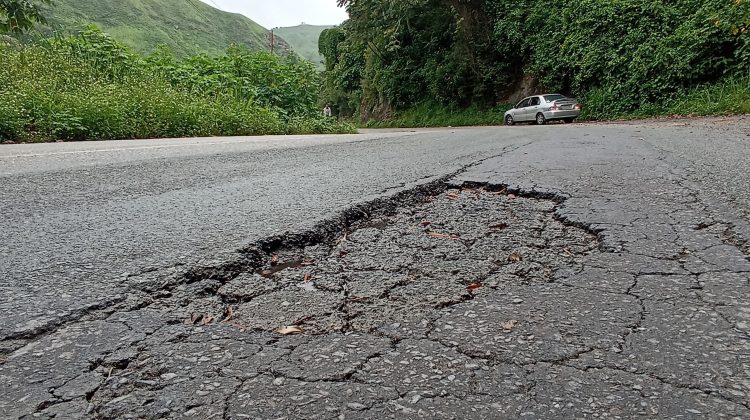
point(304, 41)
point(187, 26)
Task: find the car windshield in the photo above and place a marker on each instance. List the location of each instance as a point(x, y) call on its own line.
point(553, 98)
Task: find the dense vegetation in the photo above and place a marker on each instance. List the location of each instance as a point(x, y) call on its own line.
point(188, 27)
point(17, 16)
point(303, 39)
point(620, 57)
point(92, 87)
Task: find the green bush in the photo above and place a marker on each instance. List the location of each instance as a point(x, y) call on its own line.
point(429, 114)
point(299, 125)
point(90, 87)
point(11, 119)
point(729, 96)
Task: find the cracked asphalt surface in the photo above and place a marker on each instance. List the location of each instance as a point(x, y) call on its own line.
point(577, 271)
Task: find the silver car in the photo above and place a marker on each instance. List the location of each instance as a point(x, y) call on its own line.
point(543, 108)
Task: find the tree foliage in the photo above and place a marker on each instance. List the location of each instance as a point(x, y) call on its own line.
point(287, 85)
point(17, 16)
point(619, 54)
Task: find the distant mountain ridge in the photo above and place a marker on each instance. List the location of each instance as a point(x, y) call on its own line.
point(188, 27)
point(304, 40)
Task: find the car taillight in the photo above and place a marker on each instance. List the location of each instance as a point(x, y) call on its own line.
point(553, 108)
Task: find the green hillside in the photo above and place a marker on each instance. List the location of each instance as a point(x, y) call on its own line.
point(187, 26)
point(303, 39)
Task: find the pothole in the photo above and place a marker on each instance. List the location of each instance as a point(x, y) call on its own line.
point(393, 273)
point(727, 233)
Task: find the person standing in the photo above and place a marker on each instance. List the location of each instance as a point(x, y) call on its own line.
point(327, 111)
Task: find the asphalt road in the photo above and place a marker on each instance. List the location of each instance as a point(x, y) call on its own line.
point(666, 203)
point(79, 216)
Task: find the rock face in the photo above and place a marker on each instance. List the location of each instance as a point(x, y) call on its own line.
point(527, 86)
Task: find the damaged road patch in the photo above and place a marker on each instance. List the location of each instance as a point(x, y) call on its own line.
point(442, 302)
point(396, 274)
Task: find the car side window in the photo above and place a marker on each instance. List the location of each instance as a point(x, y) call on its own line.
point(523, 104)
point(534, 101)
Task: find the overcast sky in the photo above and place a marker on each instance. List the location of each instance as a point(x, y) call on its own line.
point(275, 13)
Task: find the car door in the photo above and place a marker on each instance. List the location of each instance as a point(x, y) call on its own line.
point(520, 112)
point(535, 105)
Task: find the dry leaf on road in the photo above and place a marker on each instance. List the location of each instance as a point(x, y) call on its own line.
point(508, 325)
point(473, 286)
point(499, 226)
point(453, 196)
point(199, 319)
point(308, 277)
point(229, 314)
point(514, 257)
point(444, 236)
point(274, 260)
point(289, 330)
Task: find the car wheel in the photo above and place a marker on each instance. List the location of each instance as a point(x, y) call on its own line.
point(540, 120)
point(568, 120)
point(509, 120)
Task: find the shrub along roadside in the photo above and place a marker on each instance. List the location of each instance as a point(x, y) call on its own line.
point(91, 88)
point(729, 97)
point(430, 114)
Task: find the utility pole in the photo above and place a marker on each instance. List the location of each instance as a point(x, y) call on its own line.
point(273, 40)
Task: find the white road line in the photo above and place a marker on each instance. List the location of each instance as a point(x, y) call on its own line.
point(162, 146)
point(184, 143)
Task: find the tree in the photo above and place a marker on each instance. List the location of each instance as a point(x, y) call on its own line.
point(18, 16)
point(328, 45)
point(616, 56)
